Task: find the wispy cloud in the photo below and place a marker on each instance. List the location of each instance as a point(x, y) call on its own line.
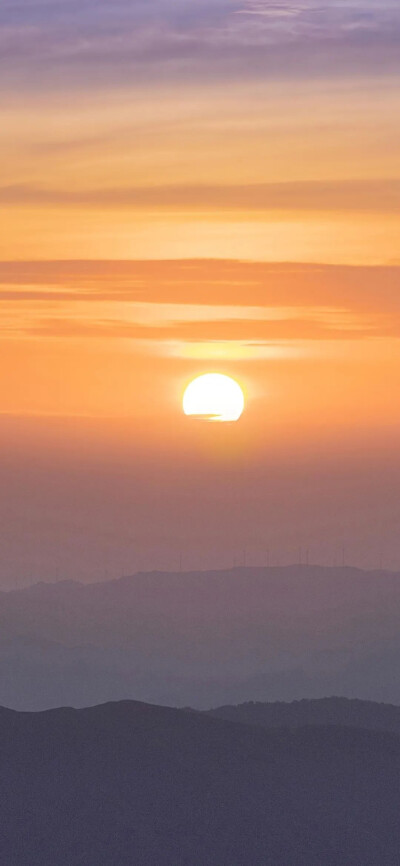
point(218, 303)
point(236, 330)
point(373, 196)
point(280, 9)
point(216, 283)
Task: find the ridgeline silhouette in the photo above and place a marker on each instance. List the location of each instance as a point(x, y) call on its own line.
point(130, 784)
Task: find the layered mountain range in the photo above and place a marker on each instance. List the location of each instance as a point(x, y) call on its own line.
point(202, 638)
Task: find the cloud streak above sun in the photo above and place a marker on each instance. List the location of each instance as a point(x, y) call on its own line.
point(224, 302)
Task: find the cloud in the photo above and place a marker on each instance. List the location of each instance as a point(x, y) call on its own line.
point(246, 330)
point(346, 196)
point(208, 301)
point(362, 290)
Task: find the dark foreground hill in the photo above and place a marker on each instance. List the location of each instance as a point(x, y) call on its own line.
point(325, 711)
point(135, 784)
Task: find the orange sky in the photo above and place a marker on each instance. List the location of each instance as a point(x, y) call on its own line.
point(122, 339)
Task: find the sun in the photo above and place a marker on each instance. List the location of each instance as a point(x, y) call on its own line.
point(214, 397)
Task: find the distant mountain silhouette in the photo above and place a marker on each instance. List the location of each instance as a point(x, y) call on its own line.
point(322, 712)
point(127, 783)
point(203, 638)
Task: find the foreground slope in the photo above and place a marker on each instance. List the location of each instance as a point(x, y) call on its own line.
point(135, 784)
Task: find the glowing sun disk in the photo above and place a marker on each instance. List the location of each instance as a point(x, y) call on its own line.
point(214, 397)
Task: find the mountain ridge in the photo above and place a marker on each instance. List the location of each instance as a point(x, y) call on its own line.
point(331, 711)
point(250, 569)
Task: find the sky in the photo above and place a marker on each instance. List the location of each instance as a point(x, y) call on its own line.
point(237, 128)
point(190, 187)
